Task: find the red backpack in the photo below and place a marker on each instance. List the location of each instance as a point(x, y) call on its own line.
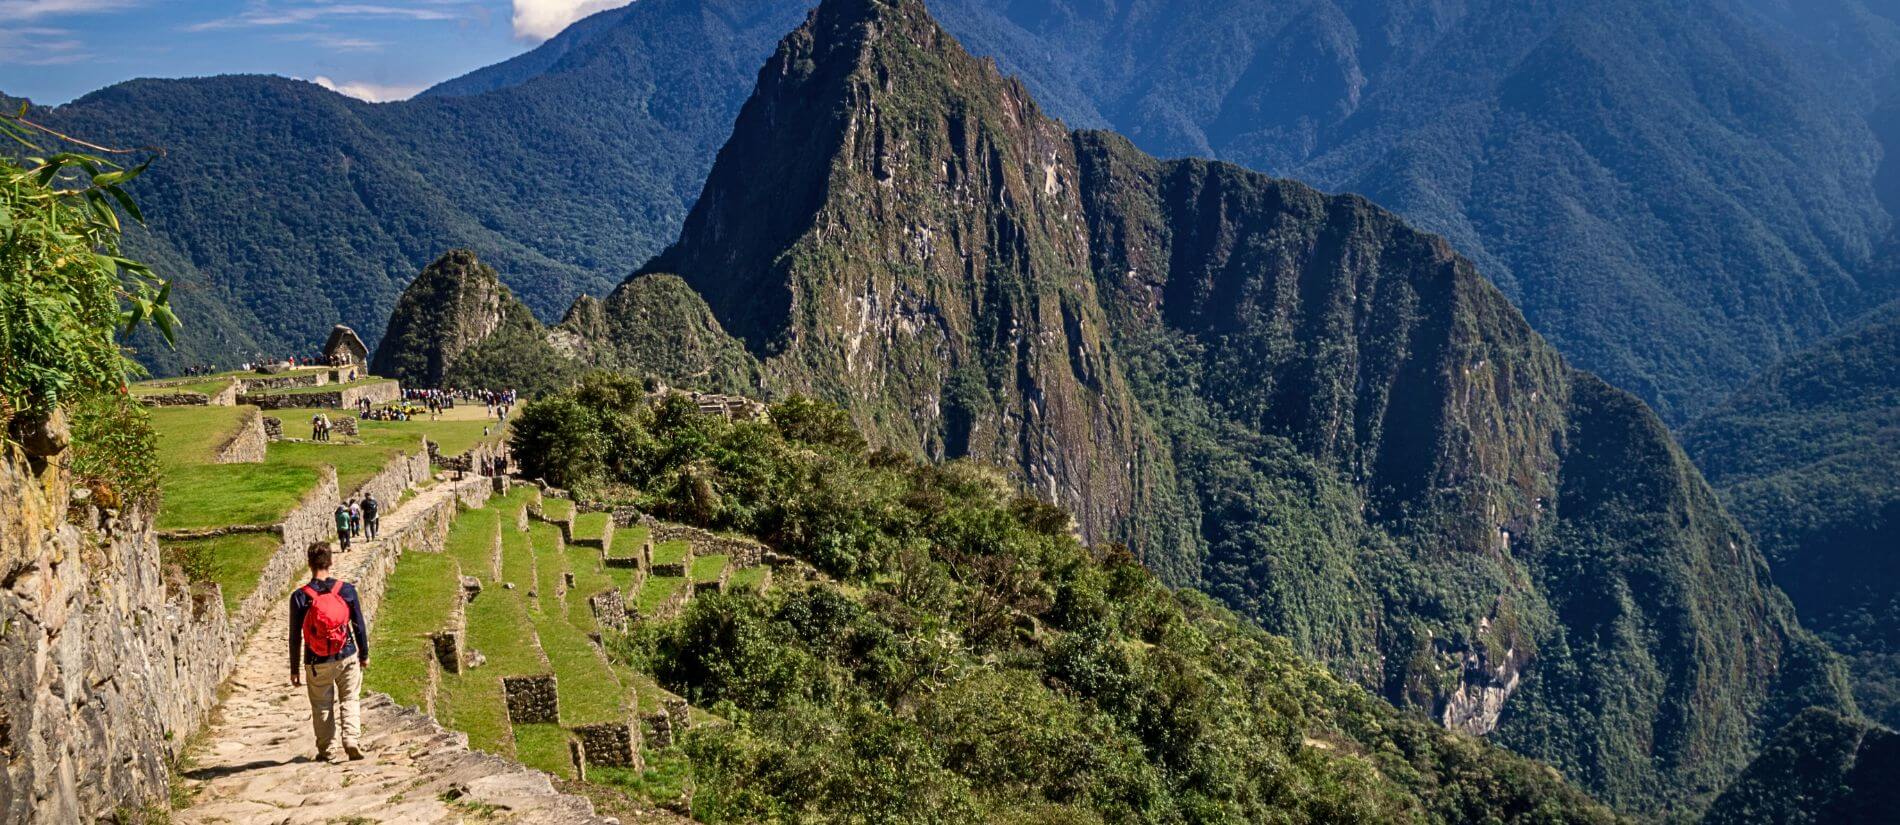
point(326, 625)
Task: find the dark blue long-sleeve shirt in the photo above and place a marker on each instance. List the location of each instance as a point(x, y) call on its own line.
point(359, 631)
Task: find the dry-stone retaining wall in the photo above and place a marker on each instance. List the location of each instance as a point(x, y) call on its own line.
point(741, 552)
point(610, 609)
point(613, 744)
point(380, 392)
point(176, 399)
point(247, 444)
point(106, 664)
point(273, 428)
point(281, 382)
point(532, 699)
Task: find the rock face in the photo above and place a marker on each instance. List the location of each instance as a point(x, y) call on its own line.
point(455, 304)
point(107, 665)
point(1292, 400)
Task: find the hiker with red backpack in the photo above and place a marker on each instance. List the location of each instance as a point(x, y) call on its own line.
point(329, 648)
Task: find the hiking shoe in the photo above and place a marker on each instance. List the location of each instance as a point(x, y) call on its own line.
point(353, 751)
point(322, 756)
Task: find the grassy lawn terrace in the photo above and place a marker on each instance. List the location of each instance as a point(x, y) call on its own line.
point(472, 702)
point(200, 494)
point(234, 561)
point(589, 578)
point(557, 509)
point(670, 552)
point(422, 592)
point(747, 580)
point(498, 626)
point(589, 692)
point(657, 591)
point(544, 747)
point(548, 564)
point(708, 568)
point(592, 527)
point(208, 386)
point(471, 542)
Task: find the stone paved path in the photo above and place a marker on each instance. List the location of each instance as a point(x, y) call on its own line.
point(255, 762)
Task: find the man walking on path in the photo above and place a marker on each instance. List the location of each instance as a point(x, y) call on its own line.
point(329, 648)
point(343, 525)
point(372, 515)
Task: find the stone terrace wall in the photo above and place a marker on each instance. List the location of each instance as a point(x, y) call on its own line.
point(247, 444)
point(227, 396)
point(106, 665)
point(740, 552)
point(279, 382)
point(381, 392)
point(176, 399)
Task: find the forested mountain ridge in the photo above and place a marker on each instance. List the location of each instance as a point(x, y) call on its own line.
point(281, 207)
point(1294, 401)
point(1808, 457)
point(1583, 154)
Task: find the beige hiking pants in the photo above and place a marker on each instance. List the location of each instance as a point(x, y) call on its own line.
point(334, 690)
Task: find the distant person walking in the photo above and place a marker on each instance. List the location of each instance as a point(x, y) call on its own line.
point(372, 515)
point(329, 648)
point(343, 526)
point(356, 518)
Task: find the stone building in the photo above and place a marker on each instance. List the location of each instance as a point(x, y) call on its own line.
point(344, 348)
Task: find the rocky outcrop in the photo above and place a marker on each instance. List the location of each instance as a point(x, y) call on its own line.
point(453, 305)
point(107, 664)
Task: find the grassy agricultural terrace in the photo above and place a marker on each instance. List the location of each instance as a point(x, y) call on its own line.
point(198, 494)
point(525, 621)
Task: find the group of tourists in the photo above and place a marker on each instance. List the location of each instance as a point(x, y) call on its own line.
point(320, 427)
point(495, 465)
point(291, 361)
point(358, 518)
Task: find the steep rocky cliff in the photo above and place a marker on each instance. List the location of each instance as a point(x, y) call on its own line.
point(1290, 399)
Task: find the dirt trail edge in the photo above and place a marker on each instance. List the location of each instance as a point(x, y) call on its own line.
point(255, 762)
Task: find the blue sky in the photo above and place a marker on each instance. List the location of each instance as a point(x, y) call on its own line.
point(55, 50)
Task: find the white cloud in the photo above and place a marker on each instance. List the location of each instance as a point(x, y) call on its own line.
point(13, 11)
point(336, 42)
point(538, 20)
point(31, 46)
point(372, 92)
point(269, 14)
